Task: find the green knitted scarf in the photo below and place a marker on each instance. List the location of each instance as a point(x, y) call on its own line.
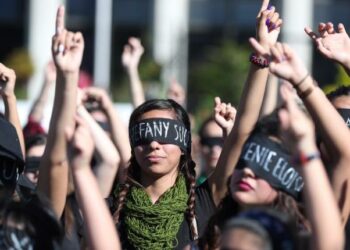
point(154, 226)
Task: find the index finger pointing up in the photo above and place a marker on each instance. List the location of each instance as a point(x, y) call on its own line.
point(264, 5)
point(60, 19)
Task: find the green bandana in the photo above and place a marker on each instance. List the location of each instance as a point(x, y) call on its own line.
point(154, 226)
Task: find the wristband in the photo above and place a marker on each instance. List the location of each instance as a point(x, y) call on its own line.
point(301, 159)
point(259, 61)
point(308, 91)
point(301, 81)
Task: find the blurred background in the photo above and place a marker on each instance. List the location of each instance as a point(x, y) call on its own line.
point(201, 43)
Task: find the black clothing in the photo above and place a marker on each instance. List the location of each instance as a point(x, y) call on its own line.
point(74, 233)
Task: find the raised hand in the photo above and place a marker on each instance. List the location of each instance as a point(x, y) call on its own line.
point(99, 95)
point(268, 25)
point(81, 145)
point(224, 115)
point(297, 129)
point(332, 44)
point(7, 81)
point(132, 53)
point(285, 63)
point(67, 47)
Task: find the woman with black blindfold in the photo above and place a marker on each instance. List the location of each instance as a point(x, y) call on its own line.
point(262, 173)
point(259, 158)
point(159, 205)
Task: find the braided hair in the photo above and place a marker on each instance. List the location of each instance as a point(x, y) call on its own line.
point(186, 165)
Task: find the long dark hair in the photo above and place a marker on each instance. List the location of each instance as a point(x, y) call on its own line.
point(268, 125)
point(186, 166)
point(32, 220)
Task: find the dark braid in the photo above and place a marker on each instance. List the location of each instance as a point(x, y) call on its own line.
point(133, 172)
point(190, 175)
point(120, 200)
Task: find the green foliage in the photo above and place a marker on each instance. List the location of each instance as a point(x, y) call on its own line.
point(222, 72)
point(341, 79)
point(19, 60)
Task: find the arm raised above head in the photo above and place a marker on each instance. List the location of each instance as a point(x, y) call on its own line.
point(67, 51)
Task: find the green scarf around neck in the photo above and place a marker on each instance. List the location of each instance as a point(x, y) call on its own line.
point(154, 226)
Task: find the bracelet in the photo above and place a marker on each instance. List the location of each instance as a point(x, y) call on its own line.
point(259, 61)
point(302, 80)
point(301, 159)
point(308, 91)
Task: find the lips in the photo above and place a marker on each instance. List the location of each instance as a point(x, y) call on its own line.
point(154, 158)
point(244, 186)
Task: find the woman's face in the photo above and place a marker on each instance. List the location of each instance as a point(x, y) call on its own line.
point(211, 153)
point(248, 189)
point(156, 159)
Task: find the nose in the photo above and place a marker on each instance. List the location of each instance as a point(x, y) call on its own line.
point(216, 149)
point(247, 172)
point(154, 145)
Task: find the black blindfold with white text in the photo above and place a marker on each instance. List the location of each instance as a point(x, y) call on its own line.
point(345, 114)
point(271, 162)
point(164, 131)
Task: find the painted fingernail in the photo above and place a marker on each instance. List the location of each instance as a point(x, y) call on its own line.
point(268, 22)
point(270, 6)
point(272, 27)
point(60, 48)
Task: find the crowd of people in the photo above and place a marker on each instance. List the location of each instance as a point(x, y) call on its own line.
point(253, 177)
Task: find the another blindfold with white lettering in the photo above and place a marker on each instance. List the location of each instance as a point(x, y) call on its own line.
point(165, 131)
point(345, 113)
point(271, 162)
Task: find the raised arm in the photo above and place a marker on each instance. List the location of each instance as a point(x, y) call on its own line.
point(321, 207)
point(335, 134)
point(176, 92)
point(36, 113)
point(271, 96)
point(7, 92)
point(332, 44)
point(119, 132)
point(107, 165)
point(99, 227)
point(224, 115)
point(130, 59)
point(268, 28)
point(67, 51)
